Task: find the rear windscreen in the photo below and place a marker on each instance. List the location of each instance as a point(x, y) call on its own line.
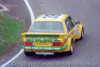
point(47, 27)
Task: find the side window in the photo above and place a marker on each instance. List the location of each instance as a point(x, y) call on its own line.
point(71, 20)
point(68, 25)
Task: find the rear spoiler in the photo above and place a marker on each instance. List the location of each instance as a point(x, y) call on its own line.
point(41, 35)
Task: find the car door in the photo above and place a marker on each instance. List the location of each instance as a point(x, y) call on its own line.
point(70, 27)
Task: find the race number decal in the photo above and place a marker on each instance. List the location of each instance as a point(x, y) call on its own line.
point(77, 32)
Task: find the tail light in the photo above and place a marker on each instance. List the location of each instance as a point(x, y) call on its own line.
point(28, 43)
point(58, 44)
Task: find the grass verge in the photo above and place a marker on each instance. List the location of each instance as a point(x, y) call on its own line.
point(10, 32)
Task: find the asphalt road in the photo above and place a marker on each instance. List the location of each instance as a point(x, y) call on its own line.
point(86, 50)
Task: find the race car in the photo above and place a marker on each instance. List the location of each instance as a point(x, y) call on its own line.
point(52, 33)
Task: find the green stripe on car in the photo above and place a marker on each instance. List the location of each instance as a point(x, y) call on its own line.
point(44, 48)
point(30, 35)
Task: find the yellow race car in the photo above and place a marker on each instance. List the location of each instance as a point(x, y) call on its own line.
point(52, 33)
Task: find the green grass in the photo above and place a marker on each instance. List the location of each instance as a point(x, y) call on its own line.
point(10, 32)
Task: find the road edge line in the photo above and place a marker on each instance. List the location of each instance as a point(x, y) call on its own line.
point(32, 19)
point(12, 58)
point(30, 10)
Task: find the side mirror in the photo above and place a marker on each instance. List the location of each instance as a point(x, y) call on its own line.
point(77, 22)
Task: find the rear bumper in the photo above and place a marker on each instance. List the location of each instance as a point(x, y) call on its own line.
point(44, 48)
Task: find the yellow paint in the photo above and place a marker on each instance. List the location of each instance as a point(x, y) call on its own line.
point(66, 37)
point(45, 44)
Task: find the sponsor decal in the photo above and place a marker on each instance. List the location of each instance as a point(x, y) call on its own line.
point(42, 40)
point(77, 31)
point(44, 48)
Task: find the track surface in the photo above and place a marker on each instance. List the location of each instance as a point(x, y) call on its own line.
point(86, 50)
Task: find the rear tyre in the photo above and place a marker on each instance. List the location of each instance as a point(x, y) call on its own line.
point(28, 53)
point(82, 34)
point(71, 50)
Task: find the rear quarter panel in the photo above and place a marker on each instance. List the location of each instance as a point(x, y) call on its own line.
point(79, 26)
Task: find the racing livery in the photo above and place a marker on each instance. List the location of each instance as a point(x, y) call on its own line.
point(52, 33)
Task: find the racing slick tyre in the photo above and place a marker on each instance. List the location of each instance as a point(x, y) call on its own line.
point(71, 50)
point(82, 34)
point(28, 53)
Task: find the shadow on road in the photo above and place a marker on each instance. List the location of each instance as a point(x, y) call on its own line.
point(51, 57)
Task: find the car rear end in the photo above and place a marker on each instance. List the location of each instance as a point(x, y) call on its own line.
point(43, 43)
point(45, 38)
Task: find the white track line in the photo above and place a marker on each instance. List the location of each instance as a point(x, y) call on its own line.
point(12, 58)
point(30, 10)
point(32, 19)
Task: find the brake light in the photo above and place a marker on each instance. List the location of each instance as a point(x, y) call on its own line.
point(58, 44)
point(27, 43)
